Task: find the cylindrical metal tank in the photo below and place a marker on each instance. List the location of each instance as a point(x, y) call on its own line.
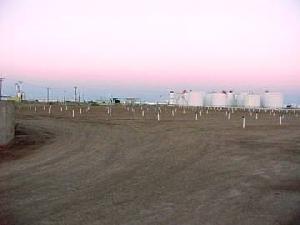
point(272, 100)
point(195, 98)
point(230, 99)
point(216, 99)
point(176, 98)
point(207, 100)
point(182, 98)
point(172, 98)
point(240, 99)
point(252, 101)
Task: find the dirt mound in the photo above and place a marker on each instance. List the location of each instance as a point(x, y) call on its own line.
point(25, 142)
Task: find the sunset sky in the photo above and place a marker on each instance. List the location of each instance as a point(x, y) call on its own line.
point(145, 48)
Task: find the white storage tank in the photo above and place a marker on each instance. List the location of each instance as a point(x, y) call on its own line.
point(252, 101)
point(216, 99)
point(195, 98)
point(182, 98)
point(172, 98)
point(230, 99)
point(240, 99)
point(272, 100)
point(207, 100)
point(177, 98)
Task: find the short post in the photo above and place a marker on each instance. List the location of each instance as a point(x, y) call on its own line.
point(80, 111)
point(229, 116)
point(61, 109)
point(173, 113)
point(196, 116)
point(256, 116)
point(73, 113)
point(244, 121)
point(200, 113)
point(158, 116)
point(280, 120)
point(143, 113)
point(49, 111)
point(35, 108)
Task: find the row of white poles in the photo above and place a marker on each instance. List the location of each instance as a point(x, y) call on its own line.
point(109, 112)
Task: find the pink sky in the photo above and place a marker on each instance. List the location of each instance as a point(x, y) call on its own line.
point(151, 43)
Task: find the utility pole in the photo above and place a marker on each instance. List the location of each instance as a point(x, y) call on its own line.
point(75, 94)
point(48, 93)
point(79, 96)
point(1, 80)
point(22, 94)
point(64, 97)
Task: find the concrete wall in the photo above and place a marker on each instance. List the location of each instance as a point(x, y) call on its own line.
point(7, 122)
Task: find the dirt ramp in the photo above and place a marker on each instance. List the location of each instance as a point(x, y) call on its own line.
point(27, 139)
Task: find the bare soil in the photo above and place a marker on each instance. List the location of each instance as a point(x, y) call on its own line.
point(128, 169)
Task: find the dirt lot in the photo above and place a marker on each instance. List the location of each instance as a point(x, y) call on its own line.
point(130, 170)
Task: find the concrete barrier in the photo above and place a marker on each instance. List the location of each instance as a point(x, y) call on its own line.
point(7, 122)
